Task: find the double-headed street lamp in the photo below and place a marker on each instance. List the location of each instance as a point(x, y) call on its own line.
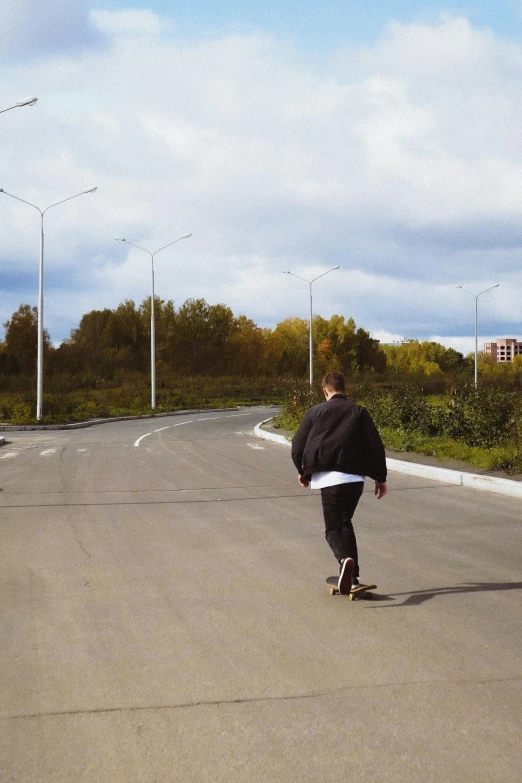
point(39, 370)
point(18, 104)
point(311, 315)
point(152, 319)
point(476, 323)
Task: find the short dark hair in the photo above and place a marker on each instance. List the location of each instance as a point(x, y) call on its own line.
point(334, 382)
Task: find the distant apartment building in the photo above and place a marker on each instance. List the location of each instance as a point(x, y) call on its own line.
point(504, 350)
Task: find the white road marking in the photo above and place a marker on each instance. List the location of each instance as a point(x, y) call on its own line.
point(255, 446)
point(9, 454)
point(137, 442)
point(162, 428)
point(81, 449)
point(47, 452)
point(231, 416)
point(208, 418)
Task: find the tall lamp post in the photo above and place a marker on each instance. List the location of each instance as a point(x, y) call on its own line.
point(152, 318)
point(311, 315)
point(39, 370)
point(476, 322)
point(18, 104)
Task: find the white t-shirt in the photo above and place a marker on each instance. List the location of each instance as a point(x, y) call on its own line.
point(330, 478)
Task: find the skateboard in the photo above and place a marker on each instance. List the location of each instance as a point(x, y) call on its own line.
point(355, 594)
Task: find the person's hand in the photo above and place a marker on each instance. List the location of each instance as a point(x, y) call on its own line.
point(380, 489)
point(303, 482)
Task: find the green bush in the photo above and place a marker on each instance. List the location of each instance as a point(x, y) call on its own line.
point(480, 417)
point(298, 398)
point(482, 426)
point(400, 439)
point(21, 412)
point(405, 409)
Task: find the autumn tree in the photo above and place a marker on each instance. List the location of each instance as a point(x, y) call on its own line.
point(107, 341)
point(21, 341)
point(423, 358)
point(90, 339)
point(292, 334)
point(200, 345)
point(272, 352)
point(498, 372)
point(165, 326)
point(245, 348)
point(343, 347)
point(128, 337)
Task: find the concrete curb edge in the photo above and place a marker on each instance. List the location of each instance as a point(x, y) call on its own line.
point(259, 433)
point(77, 425)
point(470, 480)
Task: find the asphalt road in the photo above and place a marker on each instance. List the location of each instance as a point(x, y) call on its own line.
point(165, 617)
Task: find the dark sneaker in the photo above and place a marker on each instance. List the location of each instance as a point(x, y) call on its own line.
point(345, 576)
point(355, 582)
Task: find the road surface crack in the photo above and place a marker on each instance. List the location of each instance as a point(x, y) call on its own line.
point(255, 699)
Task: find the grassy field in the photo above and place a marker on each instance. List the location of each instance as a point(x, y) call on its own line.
point(133, 399)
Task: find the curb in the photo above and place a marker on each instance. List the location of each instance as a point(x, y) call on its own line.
point(92, 422)
point(471, 480)
point(259, 433)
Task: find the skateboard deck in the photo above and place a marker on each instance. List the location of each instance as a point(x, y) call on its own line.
point(355, 594)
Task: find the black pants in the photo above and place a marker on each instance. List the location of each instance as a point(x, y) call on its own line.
point(339, 504)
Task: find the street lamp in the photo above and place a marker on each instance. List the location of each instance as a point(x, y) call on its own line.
point(310, 329)
point(476, 323)
point(39, 370)
point(25, 102)
point(152, 318)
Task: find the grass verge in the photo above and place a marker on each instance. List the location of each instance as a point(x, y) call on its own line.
point(502, 457)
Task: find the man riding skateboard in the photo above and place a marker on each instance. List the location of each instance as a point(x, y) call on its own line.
point(335, 447)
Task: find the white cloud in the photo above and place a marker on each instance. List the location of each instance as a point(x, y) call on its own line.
point(399, 161)
point(465, 345)
point(130, 21)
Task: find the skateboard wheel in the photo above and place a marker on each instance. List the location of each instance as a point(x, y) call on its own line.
point(332, 591)
point(352, 597)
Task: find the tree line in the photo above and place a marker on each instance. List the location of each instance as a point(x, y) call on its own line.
point(209, 340)
point(195, 339)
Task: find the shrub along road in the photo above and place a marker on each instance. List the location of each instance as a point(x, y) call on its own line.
point(165, 617)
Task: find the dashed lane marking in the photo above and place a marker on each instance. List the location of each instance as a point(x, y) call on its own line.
point(47, 452)
point(137, 442)
point(9, 454)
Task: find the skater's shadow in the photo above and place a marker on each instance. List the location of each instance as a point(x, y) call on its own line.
point(421, 596)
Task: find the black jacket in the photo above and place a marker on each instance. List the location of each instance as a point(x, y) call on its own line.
point(339, 435)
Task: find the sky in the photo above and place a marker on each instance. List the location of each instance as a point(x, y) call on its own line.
point(382, 137)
